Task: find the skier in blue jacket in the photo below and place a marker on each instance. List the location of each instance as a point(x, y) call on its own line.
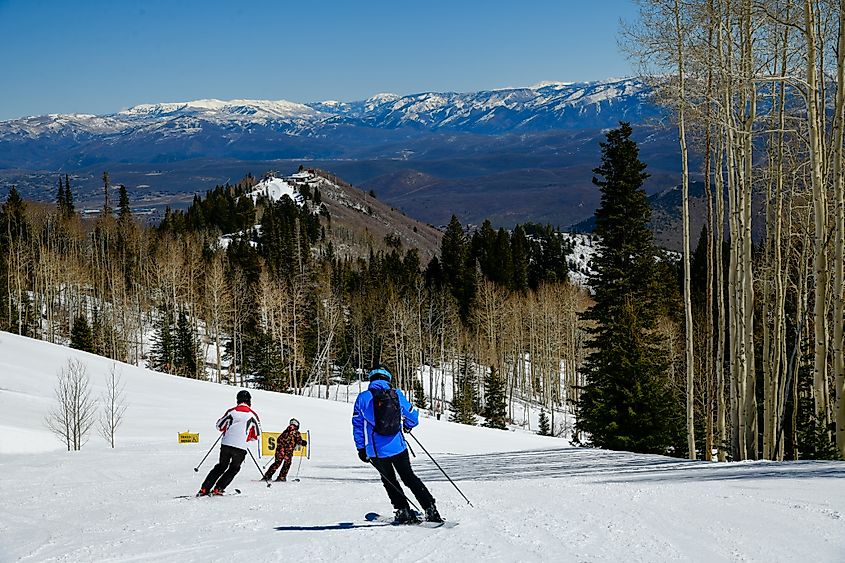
point(378, 419)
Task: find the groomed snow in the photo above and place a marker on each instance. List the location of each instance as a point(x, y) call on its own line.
point(535, 498)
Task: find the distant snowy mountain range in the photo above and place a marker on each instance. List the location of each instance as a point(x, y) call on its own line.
point(511, 155)
point(543, 107)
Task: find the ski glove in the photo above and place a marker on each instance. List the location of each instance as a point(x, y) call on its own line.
point(362, 455)
point(406, 429)
point(304, 442)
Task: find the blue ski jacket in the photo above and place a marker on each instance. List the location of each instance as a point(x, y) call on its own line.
point(363, 421)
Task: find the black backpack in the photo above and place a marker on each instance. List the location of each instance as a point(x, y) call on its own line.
point(387, 412)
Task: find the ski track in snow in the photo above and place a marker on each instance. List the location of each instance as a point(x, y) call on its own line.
point(535, 498)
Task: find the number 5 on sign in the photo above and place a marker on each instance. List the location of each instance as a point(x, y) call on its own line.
point(268, 443)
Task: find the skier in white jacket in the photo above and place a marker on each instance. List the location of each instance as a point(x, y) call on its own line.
point(240, 425)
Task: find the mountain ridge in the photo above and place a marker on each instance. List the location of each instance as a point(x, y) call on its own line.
point(482, 151)
point(450, 110)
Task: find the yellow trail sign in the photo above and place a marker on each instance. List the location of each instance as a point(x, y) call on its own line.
point(188, 438)
point(269, 440)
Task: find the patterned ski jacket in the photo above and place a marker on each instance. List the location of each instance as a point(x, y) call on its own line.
point(240, 425)
point(363, 421)
point(288, 440)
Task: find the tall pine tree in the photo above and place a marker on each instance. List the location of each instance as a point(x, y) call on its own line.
point(463, 395)
point(163, 349)
point(186, 353)
point(495, 400)
point(81, 335)
point(627, 402)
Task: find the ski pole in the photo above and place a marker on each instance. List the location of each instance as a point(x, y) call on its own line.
point(197, 468)
point(258, 467)
point(440, 468)
point(297, 467)
point(394, 485)
point(300, 457)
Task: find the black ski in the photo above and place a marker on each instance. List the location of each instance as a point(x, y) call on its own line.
point(226, 494)
point(376, 517)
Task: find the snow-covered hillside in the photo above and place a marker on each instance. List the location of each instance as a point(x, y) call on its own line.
point(535, 499)
point(580, 260)
point(274, 189)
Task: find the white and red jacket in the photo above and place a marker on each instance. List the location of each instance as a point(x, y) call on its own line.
point(240, 425)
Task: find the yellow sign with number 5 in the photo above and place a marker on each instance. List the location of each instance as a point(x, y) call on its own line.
point(269, 440)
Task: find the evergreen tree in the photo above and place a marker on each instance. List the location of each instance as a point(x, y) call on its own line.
point(61, 199)
point(81, 336)
point(627, 402)
point(496, 407)
point(463, 396)
point(70, 208)
point(453, 256)
point(186, 353)
point(458, 272)
point(519, 259)
point(814, 439)
point(544, 429)
point(107, 209)
point(263, 362)
point(162, 352)
point(419, 393)
point(124, 211)
point(64, 199)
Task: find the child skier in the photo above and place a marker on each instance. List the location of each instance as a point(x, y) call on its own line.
point(285, 445)
point(240, 425)
point(378, 418)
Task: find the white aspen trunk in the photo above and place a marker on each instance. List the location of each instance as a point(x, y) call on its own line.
point(839, 191)
point(820, 266)
point(682, 136)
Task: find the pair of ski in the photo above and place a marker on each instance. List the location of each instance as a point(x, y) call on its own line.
point(232, 493)
point(376, 517)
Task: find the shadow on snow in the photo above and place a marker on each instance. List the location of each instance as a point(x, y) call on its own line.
point(338, 526)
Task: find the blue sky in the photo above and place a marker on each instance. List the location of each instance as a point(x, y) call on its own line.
point(93, 56)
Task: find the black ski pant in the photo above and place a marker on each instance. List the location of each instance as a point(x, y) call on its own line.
point(401, 463)
point(222, 474)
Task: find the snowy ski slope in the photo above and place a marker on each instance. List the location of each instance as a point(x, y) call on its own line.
point(535, 498)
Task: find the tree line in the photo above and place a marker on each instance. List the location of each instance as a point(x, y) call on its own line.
point(273, 306)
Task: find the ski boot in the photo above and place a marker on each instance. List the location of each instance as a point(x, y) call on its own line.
point(218, 492)
point(202, 492)
point(431, 515)
point(406, 516)
point(281, 479)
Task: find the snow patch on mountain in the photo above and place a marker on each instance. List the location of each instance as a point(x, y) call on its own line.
point(275, 189)
point(233, 110)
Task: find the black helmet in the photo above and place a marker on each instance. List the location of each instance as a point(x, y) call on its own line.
point(244, 397)
point(294, 422)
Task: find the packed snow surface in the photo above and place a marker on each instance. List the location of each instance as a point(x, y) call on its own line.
point(535, 498)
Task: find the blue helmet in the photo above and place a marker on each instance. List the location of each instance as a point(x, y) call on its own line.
point(379, 373)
